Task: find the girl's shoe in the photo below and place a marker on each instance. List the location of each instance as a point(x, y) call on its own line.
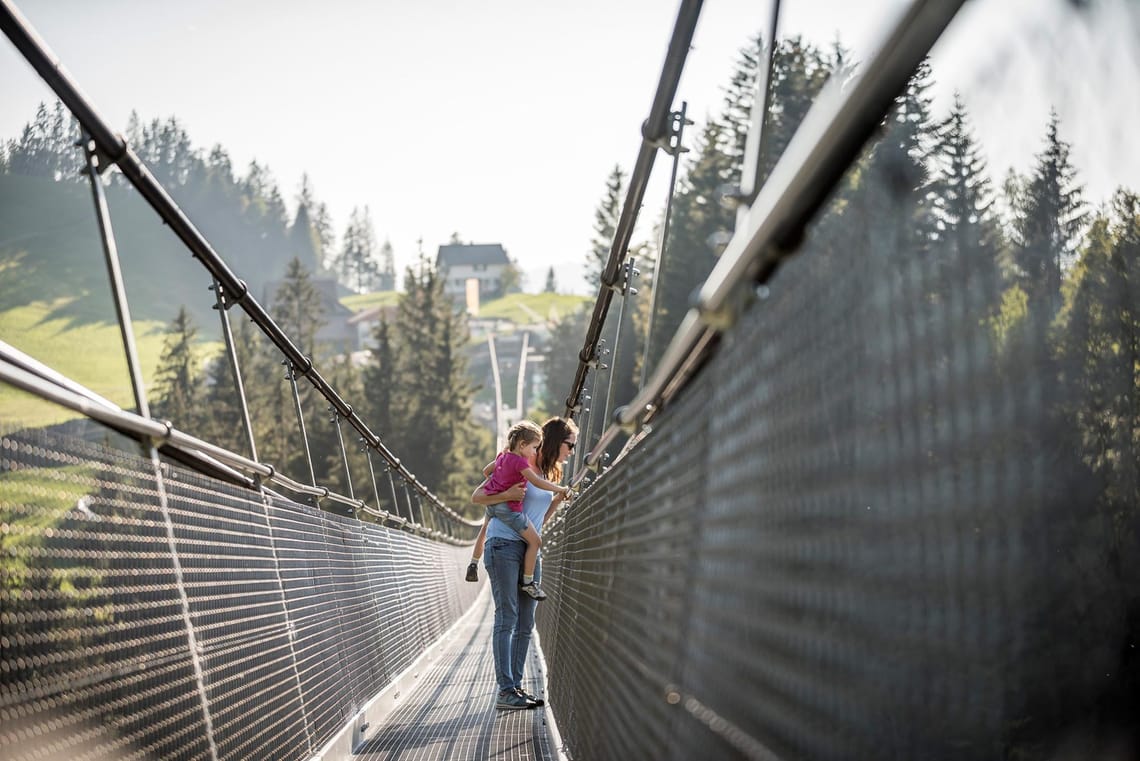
point(533, 590)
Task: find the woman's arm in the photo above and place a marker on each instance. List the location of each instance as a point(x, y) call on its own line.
point(513, 494)
point(489, 469)
point(554, 505)
point(530, 475)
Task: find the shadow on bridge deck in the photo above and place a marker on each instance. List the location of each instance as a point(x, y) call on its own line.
point(450, 714)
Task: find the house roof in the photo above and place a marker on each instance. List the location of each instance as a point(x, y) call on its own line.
point(471, 253)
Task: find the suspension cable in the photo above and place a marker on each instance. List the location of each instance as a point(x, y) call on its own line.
point(113, 149)
point(828, 140)
point(654, 135)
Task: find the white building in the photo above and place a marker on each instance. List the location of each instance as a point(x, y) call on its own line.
point(484, 263)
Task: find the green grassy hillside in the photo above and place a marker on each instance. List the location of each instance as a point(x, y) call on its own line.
point(89, 353)
point(533, 307)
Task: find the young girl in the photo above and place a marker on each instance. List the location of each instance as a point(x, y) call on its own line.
point(513, 466)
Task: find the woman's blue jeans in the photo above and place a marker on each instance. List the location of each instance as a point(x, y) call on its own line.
point(514, 609)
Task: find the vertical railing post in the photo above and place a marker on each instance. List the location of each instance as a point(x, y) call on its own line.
point(411, 509)
point(123, 312)
point(677, 123)
point(371, 470)
point(599, 352)
point(291, 376)
point(115, 275)
point(629, 271)
point(231, 354)
point(392, 484)
point(343, 456)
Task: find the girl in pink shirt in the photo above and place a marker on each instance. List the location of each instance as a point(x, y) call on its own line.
point(513, 466)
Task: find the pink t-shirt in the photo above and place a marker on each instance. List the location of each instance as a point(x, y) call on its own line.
point(508, 472)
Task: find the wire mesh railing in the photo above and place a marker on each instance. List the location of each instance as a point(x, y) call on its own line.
point(105, 149)
point(876, 467)
point(175, 616)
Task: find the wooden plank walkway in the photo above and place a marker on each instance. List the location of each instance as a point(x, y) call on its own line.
point(450, 714)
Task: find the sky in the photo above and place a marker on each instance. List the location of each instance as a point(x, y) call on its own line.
point(500, 120)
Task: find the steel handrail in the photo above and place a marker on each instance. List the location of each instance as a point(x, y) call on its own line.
point(113, 148)
point(828, 140)
point(654, 135)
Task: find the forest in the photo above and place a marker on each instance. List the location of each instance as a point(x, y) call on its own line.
point(1047, 278)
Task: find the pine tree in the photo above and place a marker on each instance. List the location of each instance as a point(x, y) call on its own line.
point(387, 280)
point(298, 308)
point(970, 242)
point(303, 240)
point(561, 364)
point(177, 379)
point(380, 379)
point(606, 218)
point(47, 146)
point(698, 218)
point(1098, 348)
point(1048, 224)
point(551, 285)
point(327, 441)
point(356, 265)
point(323, 224)
point(430, 394)
point(259, 371)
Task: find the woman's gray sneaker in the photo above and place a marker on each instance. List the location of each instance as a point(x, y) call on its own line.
point(530, 698)
point(510, 699)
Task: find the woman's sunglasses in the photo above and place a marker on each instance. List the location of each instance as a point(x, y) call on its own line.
point(570, 445)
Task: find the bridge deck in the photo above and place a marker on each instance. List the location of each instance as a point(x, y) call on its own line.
point(450, 714)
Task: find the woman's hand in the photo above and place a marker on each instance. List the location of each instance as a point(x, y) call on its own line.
point(513, 494)
point(481, 497)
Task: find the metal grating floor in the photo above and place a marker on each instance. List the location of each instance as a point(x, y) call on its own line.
point(451, 712)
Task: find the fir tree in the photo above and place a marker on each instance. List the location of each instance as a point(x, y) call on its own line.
point(969, 233)
point(259, 372)
point(606, 218)
point(430, 401)
point(322, 223)
point(561, 364)
point(387, 279)
point(799, 72)
point(356, 265)
point(47, 146)
point(1048, 221)
point(298, 308)
point(1098, 347)
point(551, 285)
point(303, 240)
point(380, 378)
point(177, 379)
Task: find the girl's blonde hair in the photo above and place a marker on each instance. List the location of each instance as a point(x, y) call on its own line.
point(523, 432)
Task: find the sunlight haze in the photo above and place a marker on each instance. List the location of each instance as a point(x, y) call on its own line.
point(497, 121)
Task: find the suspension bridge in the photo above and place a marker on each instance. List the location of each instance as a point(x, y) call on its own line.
point(832, 523)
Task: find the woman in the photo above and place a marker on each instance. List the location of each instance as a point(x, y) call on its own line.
point(503, 559)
